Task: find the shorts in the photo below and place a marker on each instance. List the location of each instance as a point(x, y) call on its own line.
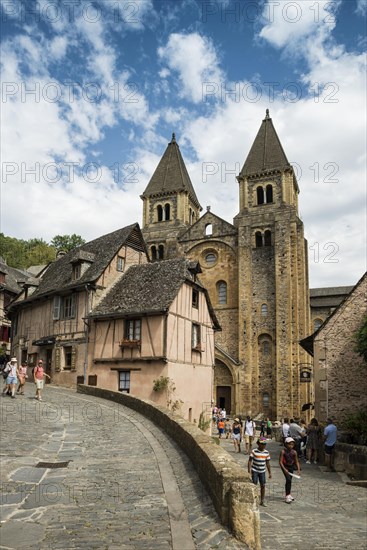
point(249, 438)
point(258, 476)
point(12, 380)
point(329, 449)
point(39, 384)
point(221, 430)
point(236, 436)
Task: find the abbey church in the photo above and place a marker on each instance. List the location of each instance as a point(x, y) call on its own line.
point(255, 270)
point(184, 295)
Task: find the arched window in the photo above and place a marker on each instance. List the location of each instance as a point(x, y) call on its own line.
point(159, 213)
point(267, 238)
point(265, 348)
point(266, 399)
point(317, 324)
point(222, 292)
point(160, 252)
point(258, 239)
point(208, 229)
point(167, 212)
point(260, 195)
point(269, 193)
point(153, 253)
point(264, 310)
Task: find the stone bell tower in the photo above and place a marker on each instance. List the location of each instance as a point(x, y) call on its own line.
point(274, 312)
point(170, 205)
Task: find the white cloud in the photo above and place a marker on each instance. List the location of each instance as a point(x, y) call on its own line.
point(58, 47)
point(288, 24)
point(361, 7)
point(195, 60)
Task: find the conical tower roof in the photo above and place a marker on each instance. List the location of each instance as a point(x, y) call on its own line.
point(171, 175)
point(266, 152)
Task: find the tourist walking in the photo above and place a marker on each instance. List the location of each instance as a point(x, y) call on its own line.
point(38, 376)
point(258, 461)
point(313, 441)
point(22, 376)
point(220, 427)
point(269, 428)
point(12, 377)
point(250, 429)
point(262, 428)
point(296, 432)
point(236, 435)
point(288, 461)
point(227, 428)
point(330, 435)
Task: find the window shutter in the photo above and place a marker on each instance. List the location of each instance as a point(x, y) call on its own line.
point(56, 308)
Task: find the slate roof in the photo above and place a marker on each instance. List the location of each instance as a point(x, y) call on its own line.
point(149, 289)
point(266, 152)
point(171, 175)
point(58, 277)
point(14, 278)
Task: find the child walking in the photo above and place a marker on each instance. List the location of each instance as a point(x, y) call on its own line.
point(258, 460)
point(288, 461)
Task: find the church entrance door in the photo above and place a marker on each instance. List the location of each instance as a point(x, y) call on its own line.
point(224, 398)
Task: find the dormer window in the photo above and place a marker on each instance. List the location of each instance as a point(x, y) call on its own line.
point(77, 271)
point(195, 298)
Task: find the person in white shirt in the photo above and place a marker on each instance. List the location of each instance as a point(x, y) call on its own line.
point(285, 429)
point(250, 429)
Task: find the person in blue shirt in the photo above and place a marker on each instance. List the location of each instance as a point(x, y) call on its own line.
point(330, 434)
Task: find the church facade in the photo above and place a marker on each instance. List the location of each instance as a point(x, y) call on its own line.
point(255, 270)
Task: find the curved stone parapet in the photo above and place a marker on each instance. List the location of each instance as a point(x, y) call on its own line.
point(233, 494)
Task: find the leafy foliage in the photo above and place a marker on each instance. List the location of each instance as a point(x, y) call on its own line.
point(203, 422)
point(357, 423)
point(361, 340)
point(67, 242)
point(21, 254)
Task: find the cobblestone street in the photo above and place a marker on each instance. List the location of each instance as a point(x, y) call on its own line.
point(126, 485)
point(326, 512)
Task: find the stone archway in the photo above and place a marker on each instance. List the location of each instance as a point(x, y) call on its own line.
point(223, 386)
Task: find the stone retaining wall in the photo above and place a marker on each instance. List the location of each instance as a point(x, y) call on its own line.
point(233, 494)
point(351, 459)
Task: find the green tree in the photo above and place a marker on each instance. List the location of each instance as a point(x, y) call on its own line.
point(361, 340)
point(67, 242)
point(22, 254)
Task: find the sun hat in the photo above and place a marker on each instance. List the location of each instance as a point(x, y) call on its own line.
point(236, 419)
point(289, 440)
point(13, 359)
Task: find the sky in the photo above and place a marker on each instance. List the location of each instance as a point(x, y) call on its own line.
point(91, 92)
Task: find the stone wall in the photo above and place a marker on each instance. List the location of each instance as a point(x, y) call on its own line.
point(230, 487)
point(351, 459)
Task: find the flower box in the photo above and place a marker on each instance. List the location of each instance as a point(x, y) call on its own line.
point(130, 343)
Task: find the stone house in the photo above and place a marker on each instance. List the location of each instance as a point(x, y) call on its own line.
point(156, 324)
point(340, 373)
point(48, 316)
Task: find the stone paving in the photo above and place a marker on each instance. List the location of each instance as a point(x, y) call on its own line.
point(126, 485)
point(326, 513)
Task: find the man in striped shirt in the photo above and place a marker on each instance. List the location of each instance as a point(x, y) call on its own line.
point(258, 461)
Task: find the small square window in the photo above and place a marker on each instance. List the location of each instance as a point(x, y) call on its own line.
point(195, 336)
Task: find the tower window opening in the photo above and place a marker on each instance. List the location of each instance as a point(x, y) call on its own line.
point(317, 324)
point(160, 252)
point(258, 239)
point(167, 212)
point(160, 213)
point(267, 238)
point(266, 348)
point(269, 193)
point(264, 310)
point(210, 258)
point(266, 399)
point(153, 253)
point(260, 195)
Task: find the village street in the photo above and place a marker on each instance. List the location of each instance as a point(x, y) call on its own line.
point(125, 485)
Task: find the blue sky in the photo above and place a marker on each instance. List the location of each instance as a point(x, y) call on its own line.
point(92, 91)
